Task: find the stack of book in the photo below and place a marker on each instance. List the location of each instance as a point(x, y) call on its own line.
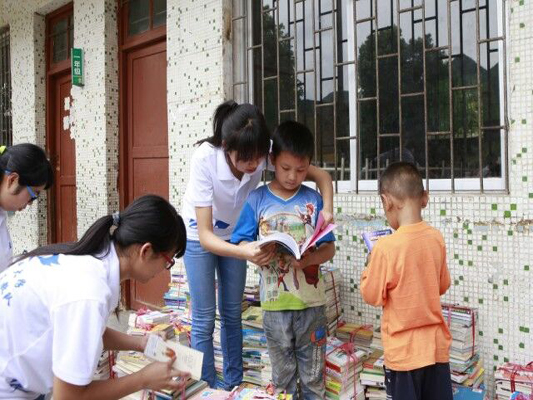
point(332, 286)
point(147, 322)
point(178, 296)
point(251, 293)
point(511, 378)
point(103, 369)
point(251, 371)
point(465, 364)
point(373, 376)
point(343, 366)
point(359, 335)
point(257, 366)
point(129, 362)
point(376, 340)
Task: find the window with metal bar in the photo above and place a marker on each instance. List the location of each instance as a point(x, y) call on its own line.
point(379, 81)
point(6, 126)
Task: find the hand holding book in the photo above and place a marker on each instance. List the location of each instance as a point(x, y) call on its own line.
point(184, 358)
point(371, 238)
point(288, 242)
point(162, 375)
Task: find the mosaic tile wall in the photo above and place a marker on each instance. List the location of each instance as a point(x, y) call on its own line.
point(489, 237)
point(93, 112)
point(27, 29)
point(197, 45)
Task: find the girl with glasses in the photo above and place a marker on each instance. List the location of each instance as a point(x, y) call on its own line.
point(55, 302)
point(24, 173)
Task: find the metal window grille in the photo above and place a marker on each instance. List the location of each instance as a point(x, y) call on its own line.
point(6, 126)
point(379, 81)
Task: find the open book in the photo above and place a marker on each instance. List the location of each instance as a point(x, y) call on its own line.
point(187, 359)
point(371, 238)
point(290, 244)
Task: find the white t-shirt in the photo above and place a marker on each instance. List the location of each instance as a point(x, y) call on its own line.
point(212, 184)
point(6, 246)
point(53, 313)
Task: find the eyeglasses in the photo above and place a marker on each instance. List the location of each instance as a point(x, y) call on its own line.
point(170, 261)
point(33, 196)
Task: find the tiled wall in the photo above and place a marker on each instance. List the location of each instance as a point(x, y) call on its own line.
point(94, 111)
point(489, 237)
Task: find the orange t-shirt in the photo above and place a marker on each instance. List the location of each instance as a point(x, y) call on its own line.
point(407, 274)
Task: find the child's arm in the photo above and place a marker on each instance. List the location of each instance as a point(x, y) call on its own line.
point(246, 232)
point(374, 280)
point(156, 376)
point(115, 340)
point(212, 243)
point(324, 253)
point(325, 185)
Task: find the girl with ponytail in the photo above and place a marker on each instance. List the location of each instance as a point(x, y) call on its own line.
point(24, 173)
point(225, 168)
point(55, 302)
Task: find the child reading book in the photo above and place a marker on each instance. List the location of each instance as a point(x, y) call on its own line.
point(292, 294)
point(406, 275)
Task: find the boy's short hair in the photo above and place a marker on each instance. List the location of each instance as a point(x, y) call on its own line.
point(402, 180)
point(295, 138)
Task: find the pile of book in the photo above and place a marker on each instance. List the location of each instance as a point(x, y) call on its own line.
point(332, 286)
point(343, 366)
point(465, 364)
point(511, 378)
point(256, 362)
point(167, 324)
point(376, 340)
point(178, 296)
point(251, 293)
point(103, 369)
point(373, 376)
point(129, 362)
point(250, 374)
point(359, 335)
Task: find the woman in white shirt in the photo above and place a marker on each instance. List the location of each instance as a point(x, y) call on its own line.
point(24, 173)
point(225, 168)
point(55, 302)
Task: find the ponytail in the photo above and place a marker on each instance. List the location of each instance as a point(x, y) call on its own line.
point(241, 128)
point(149, 219)
point(29, 162)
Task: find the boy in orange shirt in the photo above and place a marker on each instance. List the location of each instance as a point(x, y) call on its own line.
point(406, 275)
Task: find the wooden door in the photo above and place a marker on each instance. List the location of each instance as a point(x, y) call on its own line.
point(65, 163)
point(62, 200)
point(147, 138)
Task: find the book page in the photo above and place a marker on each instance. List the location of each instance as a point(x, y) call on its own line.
point(285, 240)
point(317, 234)
point(187, 359)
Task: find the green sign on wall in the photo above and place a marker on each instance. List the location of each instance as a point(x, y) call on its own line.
point(76, 59)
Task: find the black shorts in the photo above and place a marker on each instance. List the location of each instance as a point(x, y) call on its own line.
point(428, 383)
